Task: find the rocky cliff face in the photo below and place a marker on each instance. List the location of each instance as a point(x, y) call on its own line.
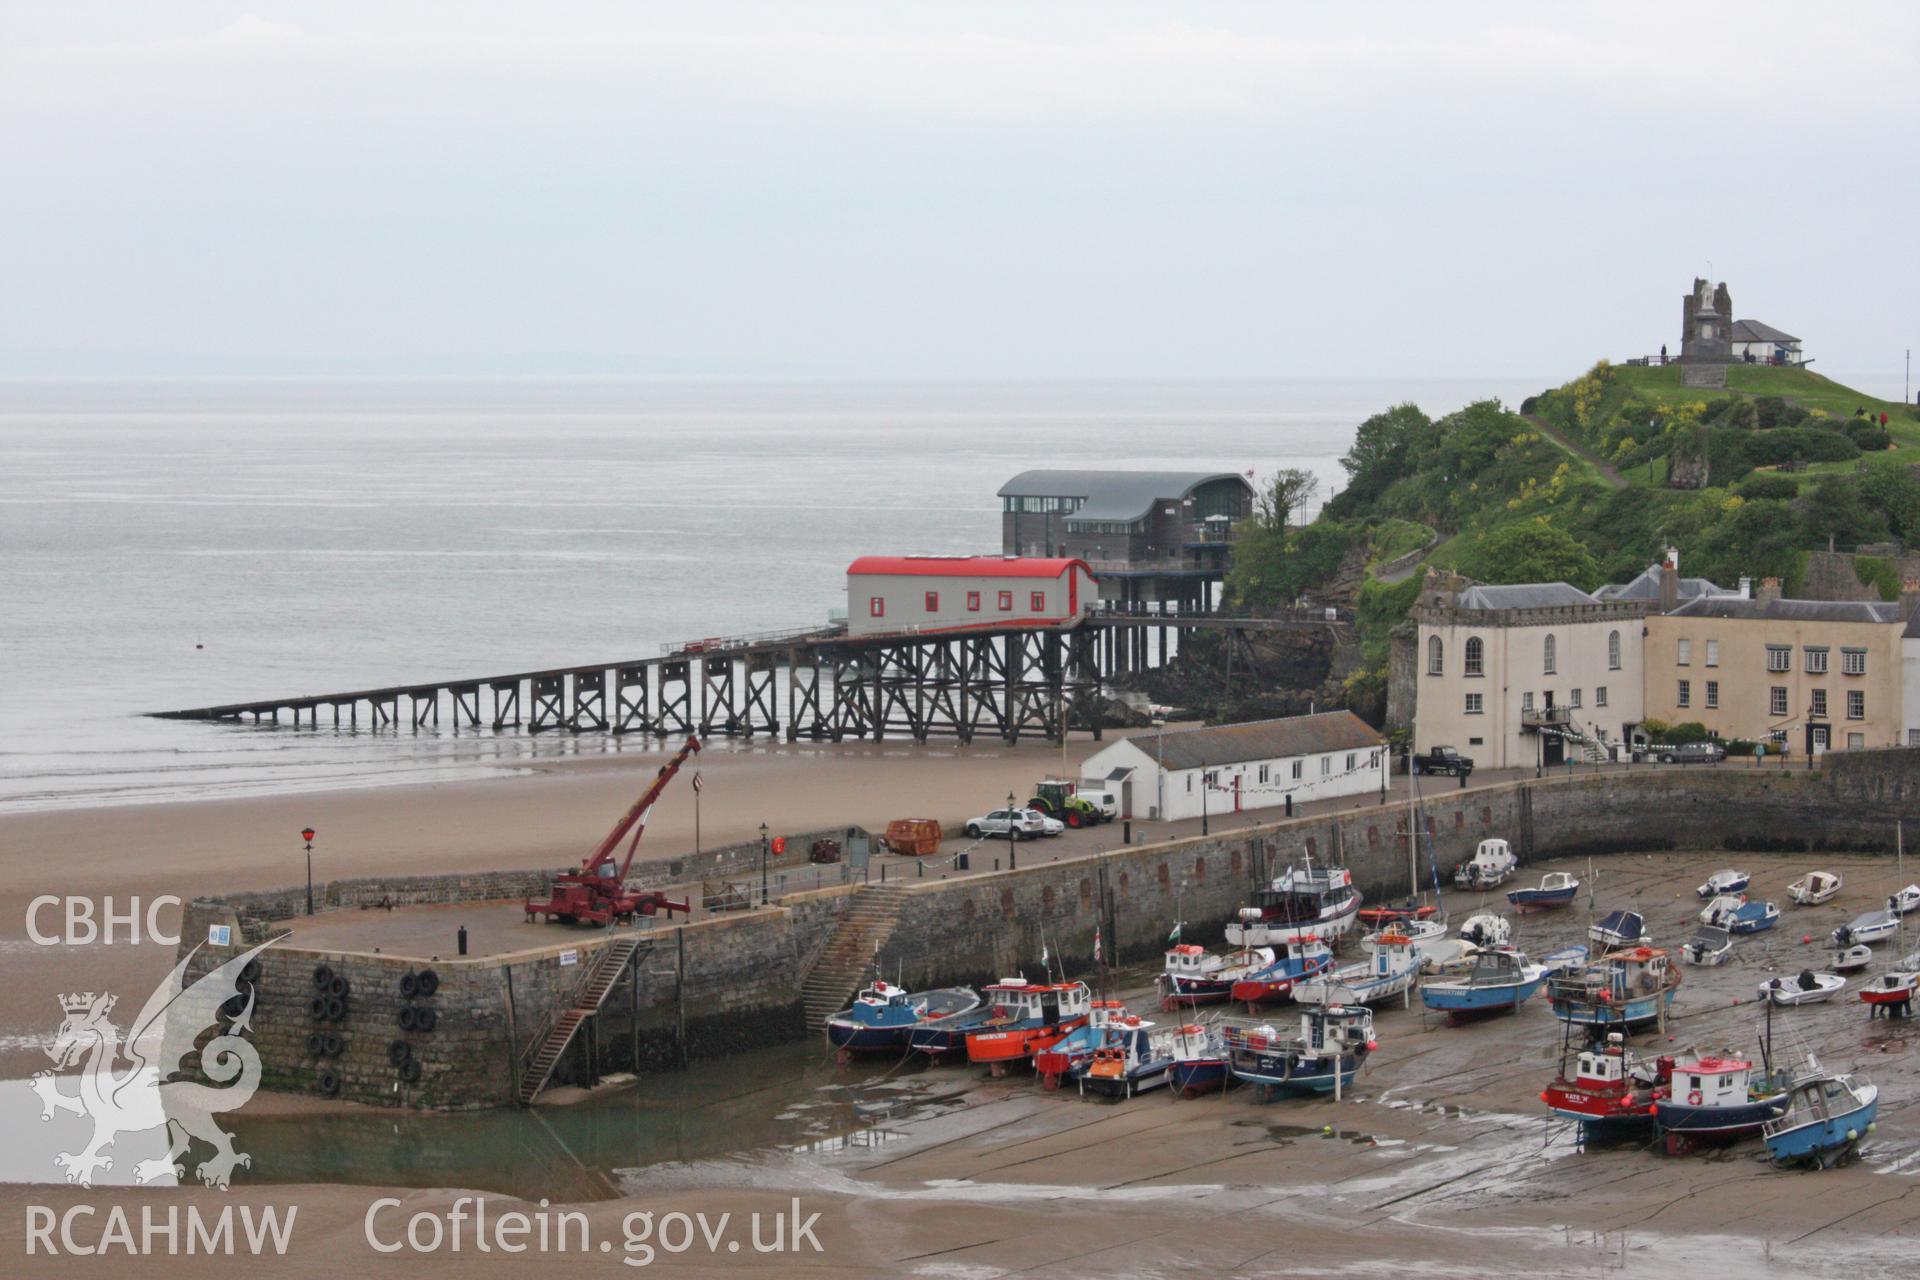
point(1278, 674)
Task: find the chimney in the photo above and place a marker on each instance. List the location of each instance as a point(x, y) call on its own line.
point(1669, 587)
point(1746, 588)
point(1673, 558)
point(1769, 590)
point(1909, 595)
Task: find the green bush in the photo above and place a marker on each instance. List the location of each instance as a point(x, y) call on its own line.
point(1868, 438)
point(1767, 484)
point(1798, 444)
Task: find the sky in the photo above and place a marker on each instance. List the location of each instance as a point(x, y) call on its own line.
point(946, 190)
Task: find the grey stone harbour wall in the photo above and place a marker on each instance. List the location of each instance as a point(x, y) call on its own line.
point(722, 985)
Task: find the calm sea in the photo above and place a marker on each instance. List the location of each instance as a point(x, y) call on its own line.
point(178, 543)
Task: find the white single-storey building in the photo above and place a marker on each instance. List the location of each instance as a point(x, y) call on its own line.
point(1260, 765)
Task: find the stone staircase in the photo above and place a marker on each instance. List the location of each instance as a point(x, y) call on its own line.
point(847, 959)
point(537, 1065)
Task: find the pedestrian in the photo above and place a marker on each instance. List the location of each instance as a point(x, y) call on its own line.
point(1883, 419)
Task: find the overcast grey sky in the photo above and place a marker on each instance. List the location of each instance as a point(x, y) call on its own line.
point(923, 189)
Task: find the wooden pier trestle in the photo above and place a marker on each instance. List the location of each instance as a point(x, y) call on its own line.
point(819, 684)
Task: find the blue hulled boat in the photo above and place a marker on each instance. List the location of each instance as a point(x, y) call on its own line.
point(1140, 1058)
point(1753, 917)
point(1199, 1061)
point(1713, 1100)
point(1294, 962)
point(1498, 982)
point(1827, 1115)
point(1323, 1057)
point(1621, 991)
point(883, 1017)
point(1556, 889)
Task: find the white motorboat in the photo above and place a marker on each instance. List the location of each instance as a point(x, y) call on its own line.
point(1853, 959)
point(1618, 929)
point(1491, 865)
point(1904, 901)
point(1814, 888)
point(1486, 930)
point(1708, 945)
point(1724, 881)
point(1806, 987)
point(1391, 969)
point(1874, 926)
point(1720, 909)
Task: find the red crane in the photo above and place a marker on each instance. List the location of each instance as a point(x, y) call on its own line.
point(596, 894)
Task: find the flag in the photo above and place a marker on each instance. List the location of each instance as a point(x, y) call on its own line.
point(696, 782)
point(1175, 935)
point(1043, 955)
point(1096, 944)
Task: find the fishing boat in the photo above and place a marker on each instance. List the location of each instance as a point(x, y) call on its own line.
point(1707, 945)
point(1850, 959)
point(1074, 1050)
point(1814, 888)
point(1754, 917)
point(1905, 900)
point(1892, 990)
point(1419, 932)
point(1618, 929)
point(1713, 1100)
point(1497, 982)
point(1026, 1017)
point(1391, 968)
point(883, 1017)
point(1397, 913)
point(1564, 960)
point(1491, 866)
point(1720, 909)
point(1194, 975)
point(1556, 889)
point(1622, 991)
point(1140, 1057)
point(1806, 987)
point(1293, 963)
point(1199, 1060)
point(1322, 1057)
point(1610, 1092)
point(1873, 926)
point(1306, 902)
point(1826, 1117)
point(1485, 929)
point(1726, 880)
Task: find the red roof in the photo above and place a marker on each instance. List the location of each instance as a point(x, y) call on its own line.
point(967, 566)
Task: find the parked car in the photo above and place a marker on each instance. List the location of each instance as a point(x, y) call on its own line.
point(1026, 824)
point(1694, 753)
point(1107, 802)
point(1443, 760)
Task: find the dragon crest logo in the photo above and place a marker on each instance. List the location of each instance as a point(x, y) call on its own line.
point(147, 1094)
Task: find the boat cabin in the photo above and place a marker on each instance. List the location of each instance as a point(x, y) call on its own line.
point(1637, 971)
point(1492, 863)
point(1495, 969)
point(1190, 961)
point(1046, 1003)
point(1301, 896)
point(1336, 1026)
point(1712, 1082)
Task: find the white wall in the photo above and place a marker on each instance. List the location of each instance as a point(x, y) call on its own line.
point(1909, 691)
point(1180, 793)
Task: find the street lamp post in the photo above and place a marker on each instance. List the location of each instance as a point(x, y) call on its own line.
point(1203, 797)
point(1013, 837)
point(763, 864)
point(306, 833)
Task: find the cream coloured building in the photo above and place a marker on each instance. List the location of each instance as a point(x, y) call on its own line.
point(1520, 675)
point(1813, 675)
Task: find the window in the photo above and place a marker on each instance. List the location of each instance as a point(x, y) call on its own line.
point(1816, 660)
point(876, 606)
point(1006, 602)
point(1856, 704)
point(933, 602)
point(1819, 708)
point(1600, 695)
point(1299, 767)
point(1573, 699)
point(1549, 650)
point(1613, 650)
point(1779, 657)
point(1475, 706)
point(1435, 653)
point(1777, 700)
point(1352, 760)
point(1779, 736)
point(1263, 772)
point(1855, 741)
point(1913, 737)
point(1373, 759)
point(1853, 662)
point(1713, 653)
point(1713, 695)
point(1685, 698)
point(1683, 654)
point(973, 602)
point(1326, 765)
point(1039, 602)
point(1476, 742)
point(1526, 702)
point(1475, 656)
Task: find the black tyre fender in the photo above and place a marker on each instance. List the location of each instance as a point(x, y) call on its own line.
point(410, 1070)
point(398, 1051)
point(322, 977)
point(424, 1020)
point(409, 984)
point(339, 986)
point(316, 1044)
point(336, 1009)
point(335, 1044)
point(328, 1082)
point(429, 982)
point(318, 1006)
point(407, 1018)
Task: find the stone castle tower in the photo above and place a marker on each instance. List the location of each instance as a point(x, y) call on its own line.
point(1706, 328)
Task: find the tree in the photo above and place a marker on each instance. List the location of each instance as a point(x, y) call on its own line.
point(1382, 449)
point(1530, 551)
point(1283, 503)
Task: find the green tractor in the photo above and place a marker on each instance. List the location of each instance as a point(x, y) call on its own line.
point(1056, 798)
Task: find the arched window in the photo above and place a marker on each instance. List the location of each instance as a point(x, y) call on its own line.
point(1436, 664)
point(1550, 662)
point(1613, 650)
point(1474, 660)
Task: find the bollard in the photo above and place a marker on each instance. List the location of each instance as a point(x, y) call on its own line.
point(996, 864)
point(1126, 830)
point(883, 873)
point(919, 868)
point(463, 939)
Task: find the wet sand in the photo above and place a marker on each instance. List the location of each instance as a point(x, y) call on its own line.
point(1441, 1162)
